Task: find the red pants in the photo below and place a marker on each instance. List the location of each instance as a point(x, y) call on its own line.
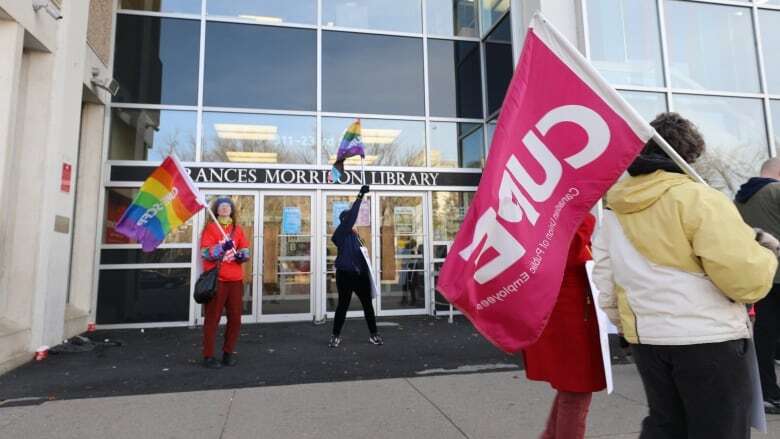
point(229, 297)
point(567, 416)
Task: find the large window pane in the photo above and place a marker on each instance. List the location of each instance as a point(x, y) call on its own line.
point(287, 255)
point(372, 74)
point(492, 11)
point(143, 296)
point(117, 201)
point(625, 41)
point(455, 79)
point(769, 22)
point(389, 15)
point(259, 138)
point(266, 11)
point(711, 47)
point(156, 60)
point(387, 142)
point(498, 64)
point(452, 18)
point(178, 6)
point(648, 105)
point(491, 130)
point(457, 145)
point(449, 210)
point(152, 134)
point(252, 66)
point(735, 134)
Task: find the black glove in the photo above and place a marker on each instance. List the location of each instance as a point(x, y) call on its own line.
point(363, 190)
point(227, 245)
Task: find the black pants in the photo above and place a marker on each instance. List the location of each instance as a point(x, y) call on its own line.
point(696, 391)
point(765, 335)
point(347, 283)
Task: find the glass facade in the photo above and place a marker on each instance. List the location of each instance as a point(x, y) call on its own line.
point(713, 62)
point(268, 87)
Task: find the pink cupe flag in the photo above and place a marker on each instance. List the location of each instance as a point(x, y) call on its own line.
point(563, 138)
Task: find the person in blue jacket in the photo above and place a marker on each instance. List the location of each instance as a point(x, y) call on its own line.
point(352, 274)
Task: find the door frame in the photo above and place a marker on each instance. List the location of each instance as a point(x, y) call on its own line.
point(313, 270)
point(426, 230)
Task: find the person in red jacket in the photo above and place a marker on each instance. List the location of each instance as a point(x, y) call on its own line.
point(568, 353)
point(233, 252)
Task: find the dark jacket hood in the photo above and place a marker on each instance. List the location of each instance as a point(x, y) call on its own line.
point(751, 187)
point(649, 163)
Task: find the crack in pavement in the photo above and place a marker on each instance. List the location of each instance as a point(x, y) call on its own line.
point(227, 415)
point(463, 433)
point(642, 403)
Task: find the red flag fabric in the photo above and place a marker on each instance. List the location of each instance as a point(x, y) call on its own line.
point(563, 138)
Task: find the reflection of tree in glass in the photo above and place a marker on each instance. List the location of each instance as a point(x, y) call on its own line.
point(726, 169)
point(383, 154)
point(172, 146)
point(286, 150)
point(449, 209)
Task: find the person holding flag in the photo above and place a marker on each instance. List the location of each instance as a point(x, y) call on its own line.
point(223, 242)
point(675, 266)
point(563, 138)
point(353, 274)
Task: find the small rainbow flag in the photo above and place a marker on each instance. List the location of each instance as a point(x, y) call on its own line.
point(166, 200)
point(351, 145)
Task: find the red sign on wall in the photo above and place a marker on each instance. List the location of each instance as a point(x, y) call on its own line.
point(65, 180)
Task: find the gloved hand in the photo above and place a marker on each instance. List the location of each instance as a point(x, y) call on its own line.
point(227, 245)
point(240, 258)
point(363, 190)
point(767, 241)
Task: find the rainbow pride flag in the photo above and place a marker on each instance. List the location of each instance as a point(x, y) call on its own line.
point(351, 145)
point(166, 200)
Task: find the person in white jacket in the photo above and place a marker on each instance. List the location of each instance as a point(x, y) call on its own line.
point(675, 265)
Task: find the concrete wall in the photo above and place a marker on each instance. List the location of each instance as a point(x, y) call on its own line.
point(44, 91)
point(565, 15)
point(99, 28)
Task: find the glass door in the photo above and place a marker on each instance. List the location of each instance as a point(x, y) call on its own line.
point(246, 209)
point(286, 259)
point(402, 254)
point(334, 205)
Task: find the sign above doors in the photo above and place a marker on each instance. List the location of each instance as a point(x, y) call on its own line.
point(206, 175)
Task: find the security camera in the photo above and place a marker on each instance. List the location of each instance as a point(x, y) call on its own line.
point(50, 8)
point(111, 86)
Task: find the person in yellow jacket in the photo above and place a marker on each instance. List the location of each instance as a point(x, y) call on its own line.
point(675, 265)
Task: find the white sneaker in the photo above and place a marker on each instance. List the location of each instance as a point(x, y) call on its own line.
point(334, 342)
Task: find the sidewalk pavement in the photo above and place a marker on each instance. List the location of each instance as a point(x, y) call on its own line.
point(497, 405)
point(430, 380)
